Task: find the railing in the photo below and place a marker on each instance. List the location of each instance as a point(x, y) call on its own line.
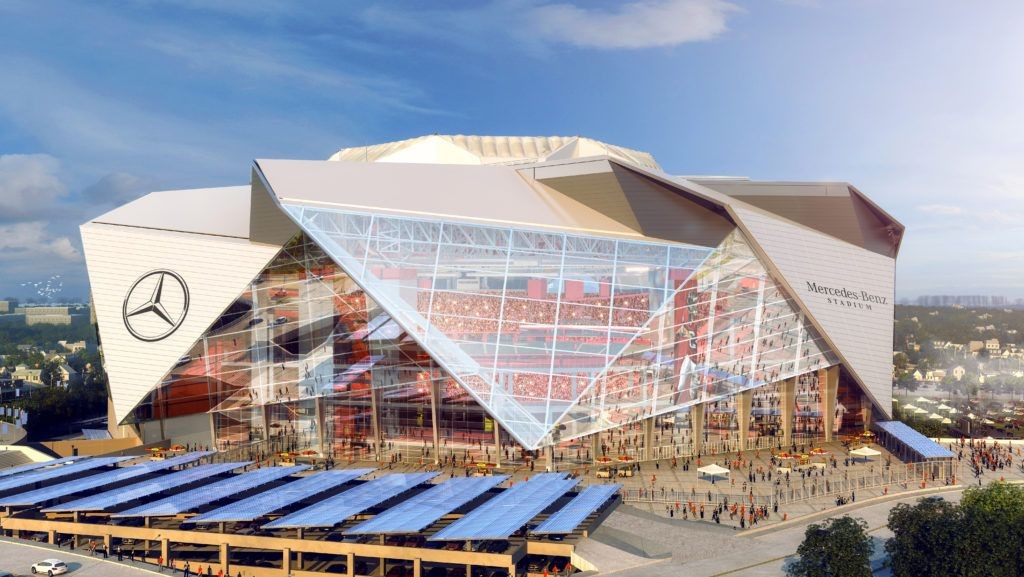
point(815, 484)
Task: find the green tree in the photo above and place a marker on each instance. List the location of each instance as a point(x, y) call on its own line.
point(50, 374)
point(992, 521)
point(983, 536)
point(923, 538)
point(839, 547)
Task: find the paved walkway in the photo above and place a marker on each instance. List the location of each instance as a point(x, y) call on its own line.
point(699, 553)
point(18, 557)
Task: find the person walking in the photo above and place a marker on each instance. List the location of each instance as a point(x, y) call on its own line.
point(186, 569)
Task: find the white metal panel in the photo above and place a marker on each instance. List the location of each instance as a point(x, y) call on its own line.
point(215, 269)
point(220, 211)
point(860, 327)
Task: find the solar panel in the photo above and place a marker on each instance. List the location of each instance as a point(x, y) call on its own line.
point(95, 481)
point(337, 508)
point(421, 511)
point(195, 498)
point(92, 482)
point(28, 479)
point(506, 513)
point(34, 466)
point(566, 519)
point(278, 498)
point(920, 444)
point(122, 495)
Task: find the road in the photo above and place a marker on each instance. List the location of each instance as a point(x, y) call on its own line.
point(18, 558)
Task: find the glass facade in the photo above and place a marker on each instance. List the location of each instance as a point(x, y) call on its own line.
point(380, 336)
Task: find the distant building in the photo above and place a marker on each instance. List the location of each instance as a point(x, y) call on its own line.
point(959, 372)
point(961, 301)
point(68, 375)
point(992, 346)
point(975, 347)
point(5, 307)
point(24, 373)
point(72, 347)
point(46, 315)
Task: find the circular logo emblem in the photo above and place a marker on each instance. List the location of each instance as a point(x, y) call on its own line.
point(156, 305)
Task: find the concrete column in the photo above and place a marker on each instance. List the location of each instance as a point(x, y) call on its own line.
point(224, 558)
point(52, 537)
point(286, 561)
point(106, 543)
point(350, 564)
point(435, 411)
point(831, 390)
point(595, 448)
point(375, 421)
point(213, 430)
point(865, 407)
point(165, 551)
point(788, 400)
point(416, 568)
point(320, 423)
point(744, 400)
point(649, 438)
point(697, 424)
point(497, 444)
point(266, 422)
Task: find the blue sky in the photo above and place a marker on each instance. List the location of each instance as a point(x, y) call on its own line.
point(917, 102)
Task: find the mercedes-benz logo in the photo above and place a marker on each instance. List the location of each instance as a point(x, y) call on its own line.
point(156, 305)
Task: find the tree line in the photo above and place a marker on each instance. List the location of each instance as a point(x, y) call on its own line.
point(982, 536)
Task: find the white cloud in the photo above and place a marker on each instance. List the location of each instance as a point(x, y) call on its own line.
point(643, 24)
point(29, 185)
point(32, 241)
point(941, 209)
point(535, 26)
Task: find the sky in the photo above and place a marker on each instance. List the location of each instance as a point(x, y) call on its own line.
point(918, 103)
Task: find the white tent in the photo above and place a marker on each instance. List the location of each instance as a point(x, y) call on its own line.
point(943, 407)
point(953, 411)
point(713, 470)
point(936, 417)
point(971, 416)
point(909, 407)
point(919, 411)
point(947, 421)
point(865, 452)
point(988, 421)
point(923, 400)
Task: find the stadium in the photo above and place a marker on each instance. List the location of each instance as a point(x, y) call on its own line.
point(465, 300)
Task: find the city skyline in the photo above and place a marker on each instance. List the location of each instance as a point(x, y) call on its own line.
point(179, 94)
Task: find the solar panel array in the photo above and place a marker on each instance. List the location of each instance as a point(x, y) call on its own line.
point(110, 477)
point(262, 504)
point(423, 510)
point(915, 441)
point(506, 513)
point(337, 508)
point(122, 495)
point(195, 498)
point(566, 519)
point(34, 466)
point(32, 477)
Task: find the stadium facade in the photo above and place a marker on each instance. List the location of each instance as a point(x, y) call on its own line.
point(487, 297)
